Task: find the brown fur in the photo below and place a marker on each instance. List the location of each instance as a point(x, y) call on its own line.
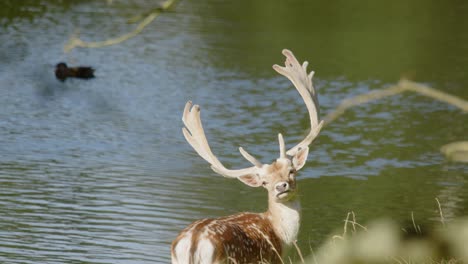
point(245, 237)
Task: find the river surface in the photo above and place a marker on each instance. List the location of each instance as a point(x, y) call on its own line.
point(98, 171)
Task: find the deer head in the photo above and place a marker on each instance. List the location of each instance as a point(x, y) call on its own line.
point(279, 177)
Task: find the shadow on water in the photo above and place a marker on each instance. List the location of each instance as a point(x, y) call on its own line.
point(97, 171)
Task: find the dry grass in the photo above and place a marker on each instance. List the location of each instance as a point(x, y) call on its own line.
point(383, 241)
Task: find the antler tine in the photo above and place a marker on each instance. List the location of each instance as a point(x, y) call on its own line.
point(297, 74)
point(250, 158)
point(195, 136)
point(282, 146)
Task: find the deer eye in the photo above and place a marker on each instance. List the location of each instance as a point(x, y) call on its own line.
point(264, 183)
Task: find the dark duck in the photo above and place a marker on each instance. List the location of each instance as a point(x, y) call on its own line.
point(62, 72)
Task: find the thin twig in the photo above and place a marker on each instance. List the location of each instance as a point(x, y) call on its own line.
point(361, 99)
point(354, 221)
point(299, 251)
point(357, 224)
point(442, 219)
point(402, 86)
point(270, 243)
point(337, 236)
point(417, 229)
point(345, 228)
point(396, 259)
point(75, 41)
point(313, 254)
point(435, 94)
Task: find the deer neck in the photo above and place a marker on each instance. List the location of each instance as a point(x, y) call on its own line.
point(285, 218)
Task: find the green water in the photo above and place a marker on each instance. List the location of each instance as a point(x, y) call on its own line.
point(98, 171)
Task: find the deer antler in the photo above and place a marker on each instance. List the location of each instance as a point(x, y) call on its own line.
point(297, 74)
point(195, 136)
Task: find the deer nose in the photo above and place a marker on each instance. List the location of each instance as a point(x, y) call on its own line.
point(282, 186)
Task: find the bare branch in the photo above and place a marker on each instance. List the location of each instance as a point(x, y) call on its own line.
point(75, 40)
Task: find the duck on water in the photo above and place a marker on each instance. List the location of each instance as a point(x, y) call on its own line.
point(62, 72)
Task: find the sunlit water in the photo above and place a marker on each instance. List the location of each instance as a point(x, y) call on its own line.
point(98, 171)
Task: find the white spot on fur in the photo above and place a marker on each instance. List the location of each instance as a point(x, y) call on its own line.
point(182, 250)
point(204, 253)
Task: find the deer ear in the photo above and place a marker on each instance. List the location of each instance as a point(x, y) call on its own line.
point(300, 158)
point(252, 180)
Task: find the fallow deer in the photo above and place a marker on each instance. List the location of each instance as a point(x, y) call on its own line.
point(251, 237)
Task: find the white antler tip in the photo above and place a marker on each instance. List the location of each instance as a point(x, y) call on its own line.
point(281, 145)
point(286, 52)
point(188, 105)
point(241, 150)
point(280, 137)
